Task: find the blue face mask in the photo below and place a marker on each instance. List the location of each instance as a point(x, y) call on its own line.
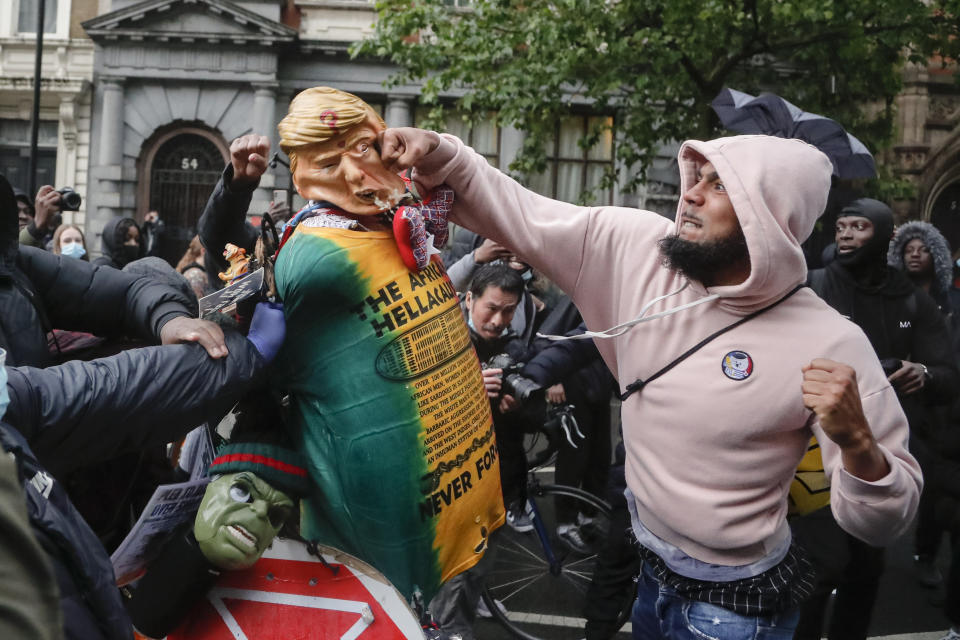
point(73, 250)
point(4, 396)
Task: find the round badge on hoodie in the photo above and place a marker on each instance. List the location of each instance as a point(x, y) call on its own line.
point(737, 365)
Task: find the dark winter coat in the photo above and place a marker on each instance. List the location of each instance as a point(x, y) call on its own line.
point(224, 220)
point(40, 291)
point(45, 291)
point(939, 253)
point(80, 413)
point(902, 322)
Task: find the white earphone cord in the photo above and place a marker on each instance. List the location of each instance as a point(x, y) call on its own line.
point(621, 329)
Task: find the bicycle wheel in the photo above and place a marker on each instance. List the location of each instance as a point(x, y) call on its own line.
point(543, 599)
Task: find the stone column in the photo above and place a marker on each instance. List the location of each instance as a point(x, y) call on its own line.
point(264, 107)
point(111, 123)
point(109, 170)
point(264, 110)
point(399, 112)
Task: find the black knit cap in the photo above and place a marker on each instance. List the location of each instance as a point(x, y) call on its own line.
point(282, 468)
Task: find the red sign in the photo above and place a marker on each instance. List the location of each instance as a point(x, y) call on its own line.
point(283, 598)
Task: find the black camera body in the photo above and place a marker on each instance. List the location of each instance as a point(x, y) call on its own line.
point(513, 382)
point(70, 200)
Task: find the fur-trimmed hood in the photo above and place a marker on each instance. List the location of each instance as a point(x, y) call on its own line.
point(934, 241)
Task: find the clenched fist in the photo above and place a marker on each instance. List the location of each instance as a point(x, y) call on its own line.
point(248, 155)
point(830, 390)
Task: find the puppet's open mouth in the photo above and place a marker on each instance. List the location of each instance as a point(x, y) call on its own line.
point(241, 535)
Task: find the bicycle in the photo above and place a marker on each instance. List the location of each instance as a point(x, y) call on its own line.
point(536, 571)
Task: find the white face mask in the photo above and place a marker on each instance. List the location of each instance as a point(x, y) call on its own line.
point(73, 250)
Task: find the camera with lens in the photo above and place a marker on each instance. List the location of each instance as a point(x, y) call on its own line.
point(70, 200)
point(513, 383)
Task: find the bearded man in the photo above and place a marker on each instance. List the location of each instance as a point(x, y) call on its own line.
point(721, 391)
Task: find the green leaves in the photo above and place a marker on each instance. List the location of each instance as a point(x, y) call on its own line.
point(655, 65)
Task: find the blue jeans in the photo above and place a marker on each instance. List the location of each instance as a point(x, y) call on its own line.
point(660, 612)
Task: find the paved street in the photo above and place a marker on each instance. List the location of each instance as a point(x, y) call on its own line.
point(905, 610)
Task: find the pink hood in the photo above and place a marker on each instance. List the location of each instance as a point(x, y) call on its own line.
point(789, 183)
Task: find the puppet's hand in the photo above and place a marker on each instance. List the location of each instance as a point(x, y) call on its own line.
point(248, 155)
point(268, 328)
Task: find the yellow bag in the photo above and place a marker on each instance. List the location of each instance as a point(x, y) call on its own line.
point(810, 489)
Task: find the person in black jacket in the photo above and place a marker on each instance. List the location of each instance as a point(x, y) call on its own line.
point(80, 413)
point(495, 292)
point(29, 598)
point(910, 337)
point(224, 217)
point(40, 291)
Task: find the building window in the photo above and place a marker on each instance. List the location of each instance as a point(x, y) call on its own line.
point(572, 170)
point(482, 134)
point(27, 16)
point(15, 152)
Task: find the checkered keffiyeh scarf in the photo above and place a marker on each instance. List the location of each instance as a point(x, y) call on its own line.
point(778, 589)
point(425, 224)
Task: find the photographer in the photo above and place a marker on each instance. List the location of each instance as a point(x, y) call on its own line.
point(489, 306)
point(47, 207)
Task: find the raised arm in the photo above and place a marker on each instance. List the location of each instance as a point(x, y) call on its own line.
point(80, 412)
point(548, 234)
point(101, 300)
point(224, 217)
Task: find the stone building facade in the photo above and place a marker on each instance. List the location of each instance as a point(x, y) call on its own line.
point(927, 147)
point(177, 80)
point(65, 98)
point(141, 99)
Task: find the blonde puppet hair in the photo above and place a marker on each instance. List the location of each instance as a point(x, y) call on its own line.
point(320, 114)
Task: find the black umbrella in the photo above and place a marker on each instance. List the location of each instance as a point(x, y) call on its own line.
point(771, 115)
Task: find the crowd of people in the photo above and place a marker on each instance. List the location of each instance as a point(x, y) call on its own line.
point(835, 386)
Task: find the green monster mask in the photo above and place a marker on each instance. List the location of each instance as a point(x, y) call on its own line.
point(242, 512)
point(238, 519)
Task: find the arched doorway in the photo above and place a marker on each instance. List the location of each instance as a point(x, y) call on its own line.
point(945, 214)
point(183, 165)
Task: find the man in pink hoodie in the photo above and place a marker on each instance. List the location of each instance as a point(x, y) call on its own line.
point(733, 366)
